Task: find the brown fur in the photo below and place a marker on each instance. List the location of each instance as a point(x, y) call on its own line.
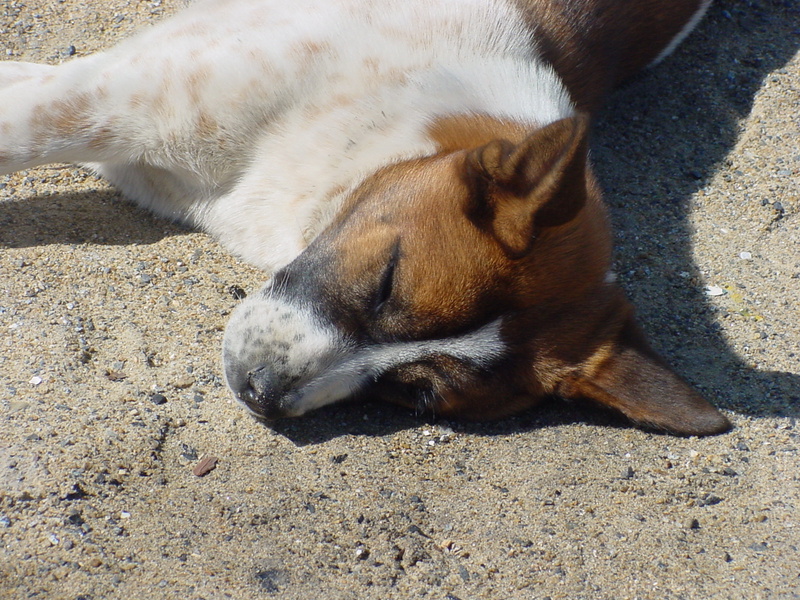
point(501, 223)
point(595, 45)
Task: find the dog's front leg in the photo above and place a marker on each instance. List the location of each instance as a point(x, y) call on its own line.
point(12, 72)
point(50, 114)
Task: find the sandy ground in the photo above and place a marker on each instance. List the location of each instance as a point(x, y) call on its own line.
point(110, 388)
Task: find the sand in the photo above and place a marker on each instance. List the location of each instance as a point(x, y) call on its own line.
point(111, 390)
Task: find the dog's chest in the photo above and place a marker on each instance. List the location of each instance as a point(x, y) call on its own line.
point(267, 113)
point(248, 67)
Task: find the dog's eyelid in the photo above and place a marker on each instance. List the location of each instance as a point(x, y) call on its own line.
point(386, 286)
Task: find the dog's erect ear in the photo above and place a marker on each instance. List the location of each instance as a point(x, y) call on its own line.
point(540, 182)
point(631, 378)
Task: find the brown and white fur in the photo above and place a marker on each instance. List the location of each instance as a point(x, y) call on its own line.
point(413, 174)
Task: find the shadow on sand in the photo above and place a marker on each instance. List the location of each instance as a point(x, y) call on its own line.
point(658, 141)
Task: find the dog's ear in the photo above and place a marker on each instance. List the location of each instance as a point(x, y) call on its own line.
point(540, 182)
point(630, 377)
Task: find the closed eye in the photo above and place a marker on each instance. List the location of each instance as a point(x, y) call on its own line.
point(386, 286)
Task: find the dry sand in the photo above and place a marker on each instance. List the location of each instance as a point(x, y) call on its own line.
point(110, 388)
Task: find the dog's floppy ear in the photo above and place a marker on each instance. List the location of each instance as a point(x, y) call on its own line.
point(630, 377)
point(540, 182)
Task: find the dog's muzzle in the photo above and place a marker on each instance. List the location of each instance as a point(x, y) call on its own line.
point(280, 358)
point(283, 359)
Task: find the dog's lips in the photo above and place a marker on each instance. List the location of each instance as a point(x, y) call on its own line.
point(268, 400)
point(273, 389)
point(264, 408)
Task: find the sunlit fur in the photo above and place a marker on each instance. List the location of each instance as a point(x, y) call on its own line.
point(413, 175)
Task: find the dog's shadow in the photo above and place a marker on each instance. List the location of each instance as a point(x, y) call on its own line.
point(93, 217)
point(655, 145)
point(375, 419)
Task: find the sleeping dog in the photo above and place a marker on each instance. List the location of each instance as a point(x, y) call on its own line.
point(411, 173)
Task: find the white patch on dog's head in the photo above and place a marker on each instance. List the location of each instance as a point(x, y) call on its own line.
point(266, 331)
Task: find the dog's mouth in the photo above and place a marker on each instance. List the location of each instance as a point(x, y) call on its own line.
point(406, 373)
point(268, 404)
point(281, 360)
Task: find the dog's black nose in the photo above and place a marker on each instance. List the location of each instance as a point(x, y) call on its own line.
point(261, 393)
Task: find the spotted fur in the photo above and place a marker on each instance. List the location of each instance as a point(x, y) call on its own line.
point(413, 173)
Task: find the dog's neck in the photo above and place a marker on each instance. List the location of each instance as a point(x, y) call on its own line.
point(328, 147)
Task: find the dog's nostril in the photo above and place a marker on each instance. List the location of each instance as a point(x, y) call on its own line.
point(260, 381)
point(261, 389)
point(262, 393)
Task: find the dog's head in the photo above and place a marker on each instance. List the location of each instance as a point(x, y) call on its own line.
point(472, 283)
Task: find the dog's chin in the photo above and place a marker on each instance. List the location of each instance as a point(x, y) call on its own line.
point(424, 386)
point(419, 396)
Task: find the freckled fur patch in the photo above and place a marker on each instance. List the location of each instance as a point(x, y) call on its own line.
point(354, 120)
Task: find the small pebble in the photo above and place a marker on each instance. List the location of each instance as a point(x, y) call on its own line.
point(237, 292)
point(205, 466)
point(709, 500)
point(116, 375)
point(745, 256)
point(158, 399)
point(714, 290)
point(183, 382)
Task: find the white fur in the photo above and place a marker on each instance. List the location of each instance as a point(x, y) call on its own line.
point(683, 33)
point(300, 101)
